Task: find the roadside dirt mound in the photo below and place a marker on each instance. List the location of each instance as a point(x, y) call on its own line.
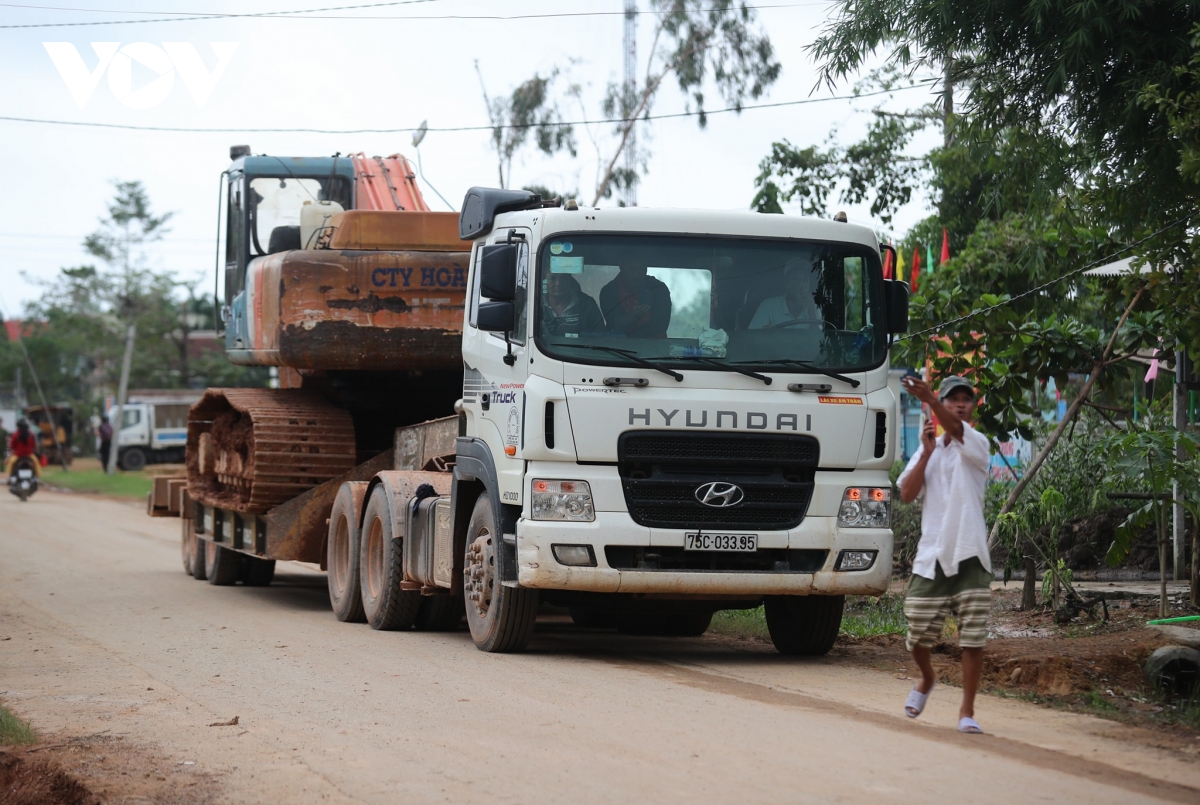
point(39, 781)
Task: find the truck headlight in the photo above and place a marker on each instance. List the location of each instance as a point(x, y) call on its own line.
point(562, 500)
point(865, 507)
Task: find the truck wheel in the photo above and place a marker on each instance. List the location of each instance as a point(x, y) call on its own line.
point(197, 555)
point(221, 565)
point(341, 558)
point(439, 613)
point(132, 460)
point(188, 543)
point(804, 625)
point(257, 572)
point(501, 618)
point(386, 606)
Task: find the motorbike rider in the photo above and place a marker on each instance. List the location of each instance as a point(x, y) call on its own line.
point(23, 444)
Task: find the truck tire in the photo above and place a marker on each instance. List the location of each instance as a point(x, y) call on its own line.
point(439, 613)
point(257, 572)
point(132, 459)
point(381, 569)
point(501, 618)
point(188, 544)
point(196, 553)
point(221, 565)
point(341, 559)
point(804, 625)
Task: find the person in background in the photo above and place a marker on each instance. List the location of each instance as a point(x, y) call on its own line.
point(105, 434)
point(567, 310)
point(797, 303)
point(952, 571)
point(635, 304)
point(21, 444)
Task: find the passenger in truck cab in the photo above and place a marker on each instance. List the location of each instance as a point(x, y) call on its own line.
point(798, 303)
point(635, 304)
point(567, 310)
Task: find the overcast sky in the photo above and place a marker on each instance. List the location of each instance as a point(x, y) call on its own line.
point(390, 71)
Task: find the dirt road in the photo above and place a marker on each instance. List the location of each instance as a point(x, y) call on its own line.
point(101, 632)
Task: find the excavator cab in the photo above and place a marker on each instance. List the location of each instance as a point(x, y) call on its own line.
point(273, 205)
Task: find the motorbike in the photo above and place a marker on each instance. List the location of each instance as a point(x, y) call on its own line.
point(23, 480)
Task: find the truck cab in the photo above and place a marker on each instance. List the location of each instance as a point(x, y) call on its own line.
point(686, 406)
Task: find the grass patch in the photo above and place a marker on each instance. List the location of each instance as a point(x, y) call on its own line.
point(14, 731)
point(120, 484)
point(741, 622)
point(864, 616)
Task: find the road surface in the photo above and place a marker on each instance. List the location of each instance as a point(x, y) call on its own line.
point(101, 632)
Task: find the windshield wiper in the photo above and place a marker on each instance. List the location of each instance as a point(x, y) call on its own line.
point(808, 367)
point(625, 353)
point(718, 364)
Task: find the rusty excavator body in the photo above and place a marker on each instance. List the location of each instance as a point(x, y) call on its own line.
point(337, 273)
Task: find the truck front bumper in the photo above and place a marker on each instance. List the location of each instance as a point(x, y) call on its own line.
point(538, 568)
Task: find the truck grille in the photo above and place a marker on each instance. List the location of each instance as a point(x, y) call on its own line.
point(770, 560)
point(661, 471)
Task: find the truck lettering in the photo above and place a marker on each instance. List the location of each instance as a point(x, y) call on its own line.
point(701, 424)
point(633, 416)
point(668, 417)
point(750, 420)
point(406, 273)
point(785, 418)
point(731, 414)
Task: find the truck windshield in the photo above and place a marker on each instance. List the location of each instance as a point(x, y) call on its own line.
point(671, 299)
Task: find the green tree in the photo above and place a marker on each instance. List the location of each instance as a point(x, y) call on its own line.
point(528, 110)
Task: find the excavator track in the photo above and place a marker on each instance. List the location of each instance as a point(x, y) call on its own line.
point(253, 449)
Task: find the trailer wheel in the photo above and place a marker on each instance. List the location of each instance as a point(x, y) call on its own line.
point(387, 607)
point(341, 558)
point(804, 625)
point(439, 613)
point(221, 565)
point(501, 618)
point(188, 544)
point(197, 555)
point(257, 572)
point(132, 459)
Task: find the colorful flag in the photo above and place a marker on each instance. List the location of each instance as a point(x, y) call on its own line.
point(900, 266)
point(887, 263)
point(916, 269)
point(929, 259)
point(945, 247)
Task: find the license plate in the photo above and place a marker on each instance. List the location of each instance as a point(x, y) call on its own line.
point(24, 473)
point(738, 543)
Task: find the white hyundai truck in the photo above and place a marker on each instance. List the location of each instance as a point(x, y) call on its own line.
point(664, 413)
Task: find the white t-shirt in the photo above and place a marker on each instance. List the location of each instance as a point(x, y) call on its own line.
point(952, 527)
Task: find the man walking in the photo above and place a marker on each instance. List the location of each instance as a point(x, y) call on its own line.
point(952, 572)
point(105, 432)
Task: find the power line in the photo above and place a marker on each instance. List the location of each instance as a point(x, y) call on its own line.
point(312, 14)
point(1045, 285)
point(185, 16)
point(401, 130)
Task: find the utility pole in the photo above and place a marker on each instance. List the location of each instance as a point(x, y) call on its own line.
point(629, 192)
point(1179, 407)
point(122, 395)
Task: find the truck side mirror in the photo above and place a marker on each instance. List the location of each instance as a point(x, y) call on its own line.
point(496, 317)
point(895, 302)
point(498, 272)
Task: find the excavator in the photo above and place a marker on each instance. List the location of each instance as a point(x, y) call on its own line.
point(338, 274)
